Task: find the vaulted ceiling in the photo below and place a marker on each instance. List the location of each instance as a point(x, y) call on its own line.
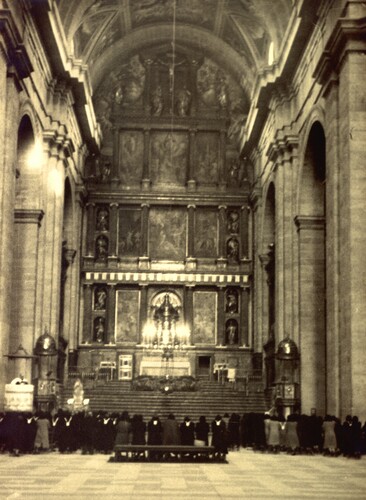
point(236, 34)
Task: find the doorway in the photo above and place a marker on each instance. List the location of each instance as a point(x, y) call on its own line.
point(204, 367)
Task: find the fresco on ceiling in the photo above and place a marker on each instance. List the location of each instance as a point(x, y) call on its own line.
point(216, 89)
point(204, 317)
point(167, 233)
point(129, 234)
point(86, 31)
point(205, 233)
point(201, 12)
point(207, 158)
point(110, 34)
point(131, 153)
point(249, 25)
point(127, 316)
point(168, 157)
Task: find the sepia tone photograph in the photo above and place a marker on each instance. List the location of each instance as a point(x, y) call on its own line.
point(182, 284)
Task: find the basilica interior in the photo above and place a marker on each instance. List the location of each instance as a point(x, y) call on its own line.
point(183, 196)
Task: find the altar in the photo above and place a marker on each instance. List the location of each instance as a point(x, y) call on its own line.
point(155, 366)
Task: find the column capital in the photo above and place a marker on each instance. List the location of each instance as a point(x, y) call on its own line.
point(309, 222)
point(28, 216)
point(191, 205)
point(222, 207)
point(145, 205)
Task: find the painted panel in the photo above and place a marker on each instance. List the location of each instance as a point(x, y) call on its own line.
point(167, 229)
point(207, 154)
point(127, 316)
point(205, 234)
point(204, 317)
point(129, 236)
point(131, 154)
point(168, 158)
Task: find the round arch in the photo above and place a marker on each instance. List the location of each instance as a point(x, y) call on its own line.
point(189, 36)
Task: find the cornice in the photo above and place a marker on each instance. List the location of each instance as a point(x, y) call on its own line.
point(348, 35)
point(283, 145)
point(309, 222)
point(28, 216)
point(12, 46)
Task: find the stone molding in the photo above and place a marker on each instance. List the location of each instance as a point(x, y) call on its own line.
point(348, 35)
point(309, 222)
point(11, 44)
point(28, 216)
point(283, 147)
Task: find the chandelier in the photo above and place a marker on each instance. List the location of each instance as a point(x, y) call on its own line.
point(164, 332)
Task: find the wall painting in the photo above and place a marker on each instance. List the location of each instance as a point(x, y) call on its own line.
point(129, 235)
point(207, 158)
point(168, 158)
point(131, 154)
point(127, 316)
point(167, 233)
point(205, 233)
point(204, 317)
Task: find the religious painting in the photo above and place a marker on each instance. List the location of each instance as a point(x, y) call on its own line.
point(231, 332)
point(129, 235)
point(207, 158)
point(127, 316)
point(201, 12)
point(167, 233)
point(204, 317)
point(131, 154)
point(205, 233)
point(168, 158)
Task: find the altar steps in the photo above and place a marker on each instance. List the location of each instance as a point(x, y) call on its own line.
point(210, 399)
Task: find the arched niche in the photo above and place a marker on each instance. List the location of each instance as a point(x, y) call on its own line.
point(311, 223)
point(25, 148)
point(312, 179)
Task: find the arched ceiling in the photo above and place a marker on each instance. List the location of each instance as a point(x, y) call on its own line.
point(235, 33)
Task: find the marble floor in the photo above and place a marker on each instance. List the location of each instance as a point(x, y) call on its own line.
point(247, 475)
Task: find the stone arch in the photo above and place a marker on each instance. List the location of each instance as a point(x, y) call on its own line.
point(310, 221)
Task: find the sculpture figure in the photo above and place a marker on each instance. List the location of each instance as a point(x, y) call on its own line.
point(183, 101)
point(157, 101)
point(103, 219)
point(233, 222)
point(100, 299)
point(99, 330)
point(232, 250)
point(101, 250)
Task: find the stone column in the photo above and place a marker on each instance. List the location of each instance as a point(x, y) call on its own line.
point(111, 314)
point(87, 323)
point(191, 262)
point(222, 260)
point(52, 235)
point(143, 311)
point(311, 260)
point(113, 231)
point(144, 261)
point(191, 181)
point(193, 86)
point(244, 232)
point(114, 176)
point(221, 316)
point(283, 152)
point(72, 290)
point(259, 329)
point(9, 111)
point(146, 181)
point(244, 317)
point(90, 224)
point(24, 281)
point(146, 95)
point(222, 160)
point(188, 309)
